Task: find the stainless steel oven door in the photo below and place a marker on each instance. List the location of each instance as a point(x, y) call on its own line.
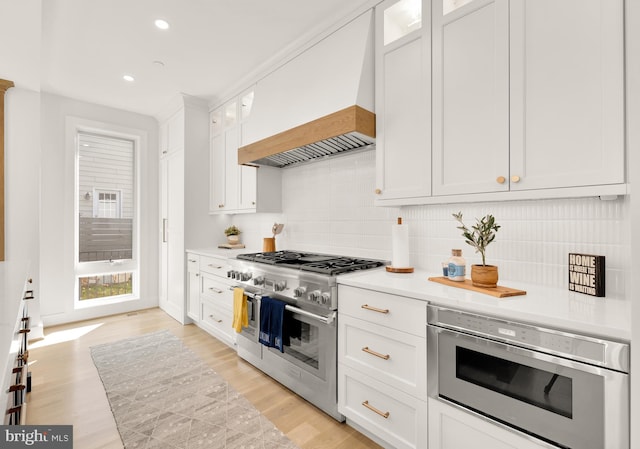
point(253, 309)
point(311, 345)
point(567, 403)
point(308, 365)
point(247, 340)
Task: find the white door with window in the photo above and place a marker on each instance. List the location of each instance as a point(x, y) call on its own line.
point(106, 264)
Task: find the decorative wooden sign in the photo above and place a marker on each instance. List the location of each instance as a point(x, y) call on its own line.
point(586, 274)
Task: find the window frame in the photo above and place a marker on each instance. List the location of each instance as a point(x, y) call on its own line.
point(74, 127)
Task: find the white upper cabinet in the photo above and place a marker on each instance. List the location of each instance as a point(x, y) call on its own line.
point(403, 98)
point(233, 187)
point(471, 97)
point(567, 93)
point(528, 96)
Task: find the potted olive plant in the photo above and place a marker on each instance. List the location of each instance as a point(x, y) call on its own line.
point(480, 236)
point(233, 234)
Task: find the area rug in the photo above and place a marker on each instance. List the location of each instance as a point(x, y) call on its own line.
point(163, 396)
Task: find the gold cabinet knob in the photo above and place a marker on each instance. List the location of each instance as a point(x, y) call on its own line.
point(220, 205)
point(378, 191)
point(500, 179)
point(515, 178)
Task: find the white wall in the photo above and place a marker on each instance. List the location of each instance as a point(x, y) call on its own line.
point(57, 209)
point(633, 152)
point(328, 207)
point(22, 188)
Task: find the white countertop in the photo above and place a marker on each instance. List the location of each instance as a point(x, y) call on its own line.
point(547, 307)
point(542, 306)
point(222, 252)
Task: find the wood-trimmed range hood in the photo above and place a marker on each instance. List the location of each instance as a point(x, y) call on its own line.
point(316, 105)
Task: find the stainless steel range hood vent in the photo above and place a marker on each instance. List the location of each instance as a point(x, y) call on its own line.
point(317, 104)
point(350, 129)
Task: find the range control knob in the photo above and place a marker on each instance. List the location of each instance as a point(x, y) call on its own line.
point(280, 285)
point(299, 291)
point(326, 298)
point(258, 280)
point(315, 296)
point(244, 277)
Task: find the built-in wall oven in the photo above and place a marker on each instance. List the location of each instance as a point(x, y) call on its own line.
point(568, 390)
point(307, 284)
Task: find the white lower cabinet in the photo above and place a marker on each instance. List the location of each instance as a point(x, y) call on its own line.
point(396, 418)
point(210, 296)
point(193, 286)
point(382, 366)
point(453, 428)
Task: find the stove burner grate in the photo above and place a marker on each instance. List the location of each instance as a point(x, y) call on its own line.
point(317, 263)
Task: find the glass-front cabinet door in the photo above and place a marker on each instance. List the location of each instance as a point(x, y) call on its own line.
point(400, 19)
point(403, 101)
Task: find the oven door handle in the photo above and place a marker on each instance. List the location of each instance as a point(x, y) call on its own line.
point(329, 319)
point(544, 357)
point(249, 295)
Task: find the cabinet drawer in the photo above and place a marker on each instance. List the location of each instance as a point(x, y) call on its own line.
point(397, 312)
point(391, 415)
point(216, 266)
point(193, 263)
point(217, 321)
point(388, 355)
point(217, 291)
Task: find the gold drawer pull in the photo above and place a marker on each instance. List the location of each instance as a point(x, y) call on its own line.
point(385, 415)
point(215, 290)
point(377, 354)
point(217, 267)
point(374, 309)
point(214, 319)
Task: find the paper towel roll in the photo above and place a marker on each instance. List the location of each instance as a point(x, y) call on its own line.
point(400, 245)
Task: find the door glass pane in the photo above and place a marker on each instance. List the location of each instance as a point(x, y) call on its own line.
point(401, 19)
point(105, 198)
point(534, 386)
point(230, 114)
point(247, 104)
point(451, 5)
point(303, 341)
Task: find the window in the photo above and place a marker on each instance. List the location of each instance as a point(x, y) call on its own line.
point(106, 204)
point(106, 211)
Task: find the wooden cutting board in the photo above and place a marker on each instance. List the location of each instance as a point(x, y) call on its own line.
point(499, 291)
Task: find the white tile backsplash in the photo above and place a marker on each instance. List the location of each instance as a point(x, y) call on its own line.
point(328, 207)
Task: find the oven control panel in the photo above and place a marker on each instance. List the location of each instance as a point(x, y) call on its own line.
point(306, 289)
point(578, 347)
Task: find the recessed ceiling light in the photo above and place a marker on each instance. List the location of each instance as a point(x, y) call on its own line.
point(162, 24)
point(129, 78)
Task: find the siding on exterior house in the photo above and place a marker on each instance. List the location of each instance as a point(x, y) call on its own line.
point(105, 164)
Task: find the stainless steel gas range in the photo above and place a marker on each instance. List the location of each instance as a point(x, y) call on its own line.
point(307, 284)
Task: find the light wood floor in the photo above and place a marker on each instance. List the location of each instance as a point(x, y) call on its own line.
point(66, 388)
